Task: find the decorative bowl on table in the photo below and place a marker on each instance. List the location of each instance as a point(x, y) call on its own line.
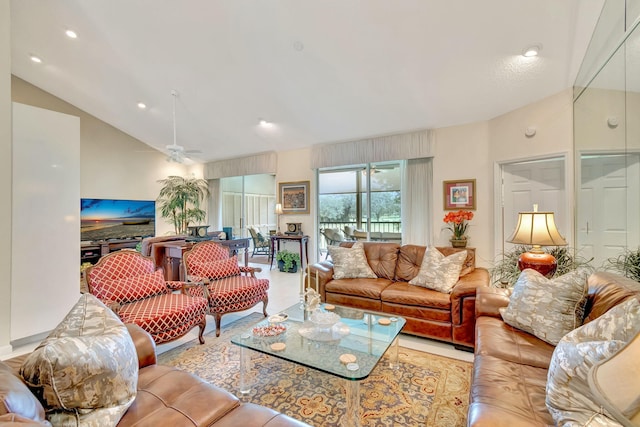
point(324, 320)
point(269, 330)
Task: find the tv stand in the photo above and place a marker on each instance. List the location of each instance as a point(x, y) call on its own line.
point(93, 251)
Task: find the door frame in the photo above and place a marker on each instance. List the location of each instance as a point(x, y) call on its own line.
point(498, 195)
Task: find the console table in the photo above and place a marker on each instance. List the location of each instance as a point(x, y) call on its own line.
point(303, 241)
point(175, 250)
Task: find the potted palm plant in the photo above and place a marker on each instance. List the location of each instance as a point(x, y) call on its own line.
point(179, 201)
point(288, 262)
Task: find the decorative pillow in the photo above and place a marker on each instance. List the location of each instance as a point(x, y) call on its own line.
point(439, 272)
point(615, 383)
point(15, 397)
point(86, 371)
point(569, 397)
point(216, 269)
point(350, 263)
point(130, 289)
point(547, 308)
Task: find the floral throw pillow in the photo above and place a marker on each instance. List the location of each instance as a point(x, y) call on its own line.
point(547, 308)
point(439, 272)
point(350, 263)
point(570, 399)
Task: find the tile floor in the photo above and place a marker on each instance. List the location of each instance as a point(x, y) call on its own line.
point(284, 291)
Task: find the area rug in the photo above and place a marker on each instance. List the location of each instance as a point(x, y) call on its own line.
point(426, 390)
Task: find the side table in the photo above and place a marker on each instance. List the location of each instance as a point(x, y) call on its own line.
point(303, 241)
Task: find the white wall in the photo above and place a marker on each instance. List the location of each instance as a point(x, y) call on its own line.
point(5, 177)
point(46, 219)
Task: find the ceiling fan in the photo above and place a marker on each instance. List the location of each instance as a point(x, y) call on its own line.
point(177, 153)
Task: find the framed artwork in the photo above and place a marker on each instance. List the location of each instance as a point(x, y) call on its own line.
point(294, 197)
point(459, 194)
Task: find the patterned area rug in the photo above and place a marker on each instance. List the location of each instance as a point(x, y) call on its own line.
point(427, 390)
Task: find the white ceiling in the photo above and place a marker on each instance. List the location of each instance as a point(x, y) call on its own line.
point(322, 71)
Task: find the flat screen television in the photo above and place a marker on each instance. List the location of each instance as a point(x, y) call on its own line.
point(112, 219)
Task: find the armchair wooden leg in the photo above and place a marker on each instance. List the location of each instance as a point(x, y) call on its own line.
point(265, 301)
point(217, 317)
point(202, 325)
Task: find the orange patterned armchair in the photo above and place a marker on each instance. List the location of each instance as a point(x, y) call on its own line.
point(129, 283)
point(230, 287)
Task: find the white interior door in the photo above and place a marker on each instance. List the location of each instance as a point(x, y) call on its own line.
point(607, 213)
point(526, 183)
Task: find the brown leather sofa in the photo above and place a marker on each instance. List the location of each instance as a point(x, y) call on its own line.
point(509, 379)
point(166, 397)
point(430, 314)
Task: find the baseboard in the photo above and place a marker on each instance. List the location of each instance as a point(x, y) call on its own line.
point(463, 348)
point(6, 349)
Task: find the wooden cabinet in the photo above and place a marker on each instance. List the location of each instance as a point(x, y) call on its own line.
point(91, 252)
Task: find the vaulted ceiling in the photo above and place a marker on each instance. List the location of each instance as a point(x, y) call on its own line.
point(319, 71)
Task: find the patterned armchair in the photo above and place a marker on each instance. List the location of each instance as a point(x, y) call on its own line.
point(129, 283)
point(229, 287)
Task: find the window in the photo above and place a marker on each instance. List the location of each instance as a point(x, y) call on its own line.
point(366, 198)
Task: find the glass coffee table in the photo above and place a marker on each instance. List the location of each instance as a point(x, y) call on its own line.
point(350, 349)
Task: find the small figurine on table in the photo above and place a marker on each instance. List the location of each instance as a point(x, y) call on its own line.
point(312, 299)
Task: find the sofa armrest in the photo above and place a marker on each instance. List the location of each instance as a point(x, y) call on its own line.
point(463, 306)
point(145, 345)
point(323, 273)
point(490, 300)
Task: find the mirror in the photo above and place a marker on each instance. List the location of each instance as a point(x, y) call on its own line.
point(607, 139)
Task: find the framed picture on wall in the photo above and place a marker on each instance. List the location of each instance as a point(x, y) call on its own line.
point(459, 194)
point(294, 197)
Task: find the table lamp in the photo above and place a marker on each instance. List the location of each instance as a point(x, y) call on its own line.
point(537, 229)
point(278, 213)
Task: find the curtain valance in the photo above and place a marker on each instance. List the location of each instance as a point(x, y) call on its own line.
point(264, 163)
point(412, 145)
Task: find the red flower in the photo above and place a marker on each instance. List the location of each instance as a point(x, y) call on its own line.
point(458, 222)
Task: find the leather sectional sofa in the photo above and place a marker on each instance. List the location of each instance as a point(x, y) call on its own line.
point(510, 368)
point(430, 314)
point(165, 396)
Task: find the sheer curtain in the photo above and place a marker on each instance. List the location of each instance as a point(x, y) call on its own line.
point(417, 192)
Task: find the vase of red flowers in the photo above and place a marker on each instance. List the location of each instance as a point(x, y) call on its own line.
point(458, 222)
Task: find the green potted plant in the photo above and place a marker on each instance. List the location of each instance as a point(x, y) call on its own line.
point(179, 201)
point(627, 264)
point(288, 262)
point(505, 269)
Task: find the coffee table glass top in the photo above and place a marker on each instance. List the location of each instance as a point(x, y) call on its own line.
point(358, 333)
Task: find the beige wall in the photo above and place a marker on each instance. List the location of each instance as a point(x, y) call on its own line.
point(5, 177)
point(113, 164)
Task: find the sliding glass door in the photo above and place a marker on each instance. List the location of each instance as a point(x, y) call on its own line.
point(248, 201)
point(362, 201)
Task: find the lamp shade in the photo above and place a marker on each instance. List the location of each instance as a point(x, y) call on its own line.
point(538, 229)
point(278, 208)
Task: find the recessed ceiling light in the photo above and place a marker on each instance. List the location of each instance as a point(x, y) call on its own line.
point(265, 124)
point(531, 51)
point(71, 34)
point(35, 59)
point(142, 105)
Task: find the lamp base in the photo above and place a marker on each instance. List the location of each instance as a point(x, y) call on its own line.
point(543, 263)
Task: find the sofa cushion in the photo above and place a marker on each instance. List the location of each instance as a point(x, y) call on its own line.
point(606, 290)
point(439, 272)
point(406, 294)
point(129, 289)
point(16, 398)
point(410, 260)
point(368, 288)
point(217, 269)
point(381, 257)
point(86, 370)
point(350, 263)
point(615, 383)
point(547, 308)
point(569, 398)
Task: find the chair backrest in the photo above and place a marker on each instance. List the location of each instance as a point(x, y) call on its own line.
point(332, 235)
point(205, 252)
point(211, 260)
point(125, 276)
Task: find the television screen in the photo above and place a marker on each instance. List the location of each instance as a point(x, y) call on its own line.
point(106, 219)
